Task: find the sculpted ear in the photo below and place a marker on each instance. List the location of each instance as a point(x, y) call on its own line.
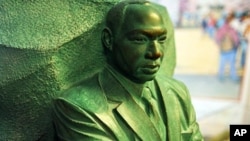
point(107, 38)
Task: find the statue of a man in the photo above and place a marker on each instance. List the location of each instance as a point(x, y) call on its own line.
point(127, 101)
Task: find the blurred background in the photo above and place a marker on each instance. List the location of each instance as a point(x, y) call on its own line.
point(220, 97)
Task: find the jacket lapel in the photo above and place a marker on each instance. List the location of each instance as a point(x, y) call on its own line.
point(127, 108)
point(138, 121)
point(171, 107)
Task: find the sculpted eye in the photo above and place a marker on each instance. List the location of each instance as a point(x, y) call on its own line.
point(139, 39)
point(162, 39)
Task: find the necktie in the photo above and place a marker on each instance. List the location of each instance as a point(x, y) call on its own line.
point(149, 103)
point(151, 109)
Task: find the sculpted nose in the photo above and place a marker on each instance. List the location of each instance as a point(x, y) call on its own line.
point(154, 51)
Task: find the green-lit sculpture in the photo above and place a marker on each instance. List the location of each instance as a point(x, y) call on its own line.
point(128, 100)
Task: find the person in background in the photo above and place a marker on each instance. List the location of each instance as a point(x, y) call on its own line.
point(211, 25)
point(228, 40)
point(221, 21)
point(245, 22)
point(246, 27)
point(204, 25)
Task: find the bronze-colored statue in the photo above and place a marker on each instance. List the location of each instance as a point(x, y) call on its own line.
point(127, 101)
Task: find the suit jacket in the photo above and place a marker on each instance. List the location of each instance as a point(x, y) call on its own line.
point(99, 108)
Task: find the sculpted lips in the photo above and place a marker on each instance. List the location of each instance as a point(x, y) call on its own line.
point(150, 69)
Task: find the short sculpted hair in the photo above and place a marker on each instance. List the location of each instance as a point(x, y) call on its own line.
point(115, 16)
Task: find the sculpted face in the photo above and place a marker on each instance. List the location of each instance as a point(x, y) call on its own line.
point(139, 43)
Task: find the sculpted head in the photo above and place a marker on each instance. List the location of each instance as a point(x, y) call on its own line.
point(134, 39)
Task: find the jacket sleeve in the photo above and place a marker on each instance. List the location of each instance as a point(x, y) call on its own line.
point(180, 108)
point(72, 123)
point(191, 120)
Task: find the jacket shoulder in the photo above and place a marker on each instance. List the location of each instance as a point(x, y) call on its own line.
point(172, 84)
point(175, 87)
point(87, 95)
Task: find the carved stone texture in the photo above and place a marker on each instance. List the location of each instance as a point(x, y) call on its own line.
point(46, 46)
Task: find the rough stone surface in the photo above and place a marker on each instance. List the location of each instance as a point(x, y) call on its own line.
point(46, 46)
